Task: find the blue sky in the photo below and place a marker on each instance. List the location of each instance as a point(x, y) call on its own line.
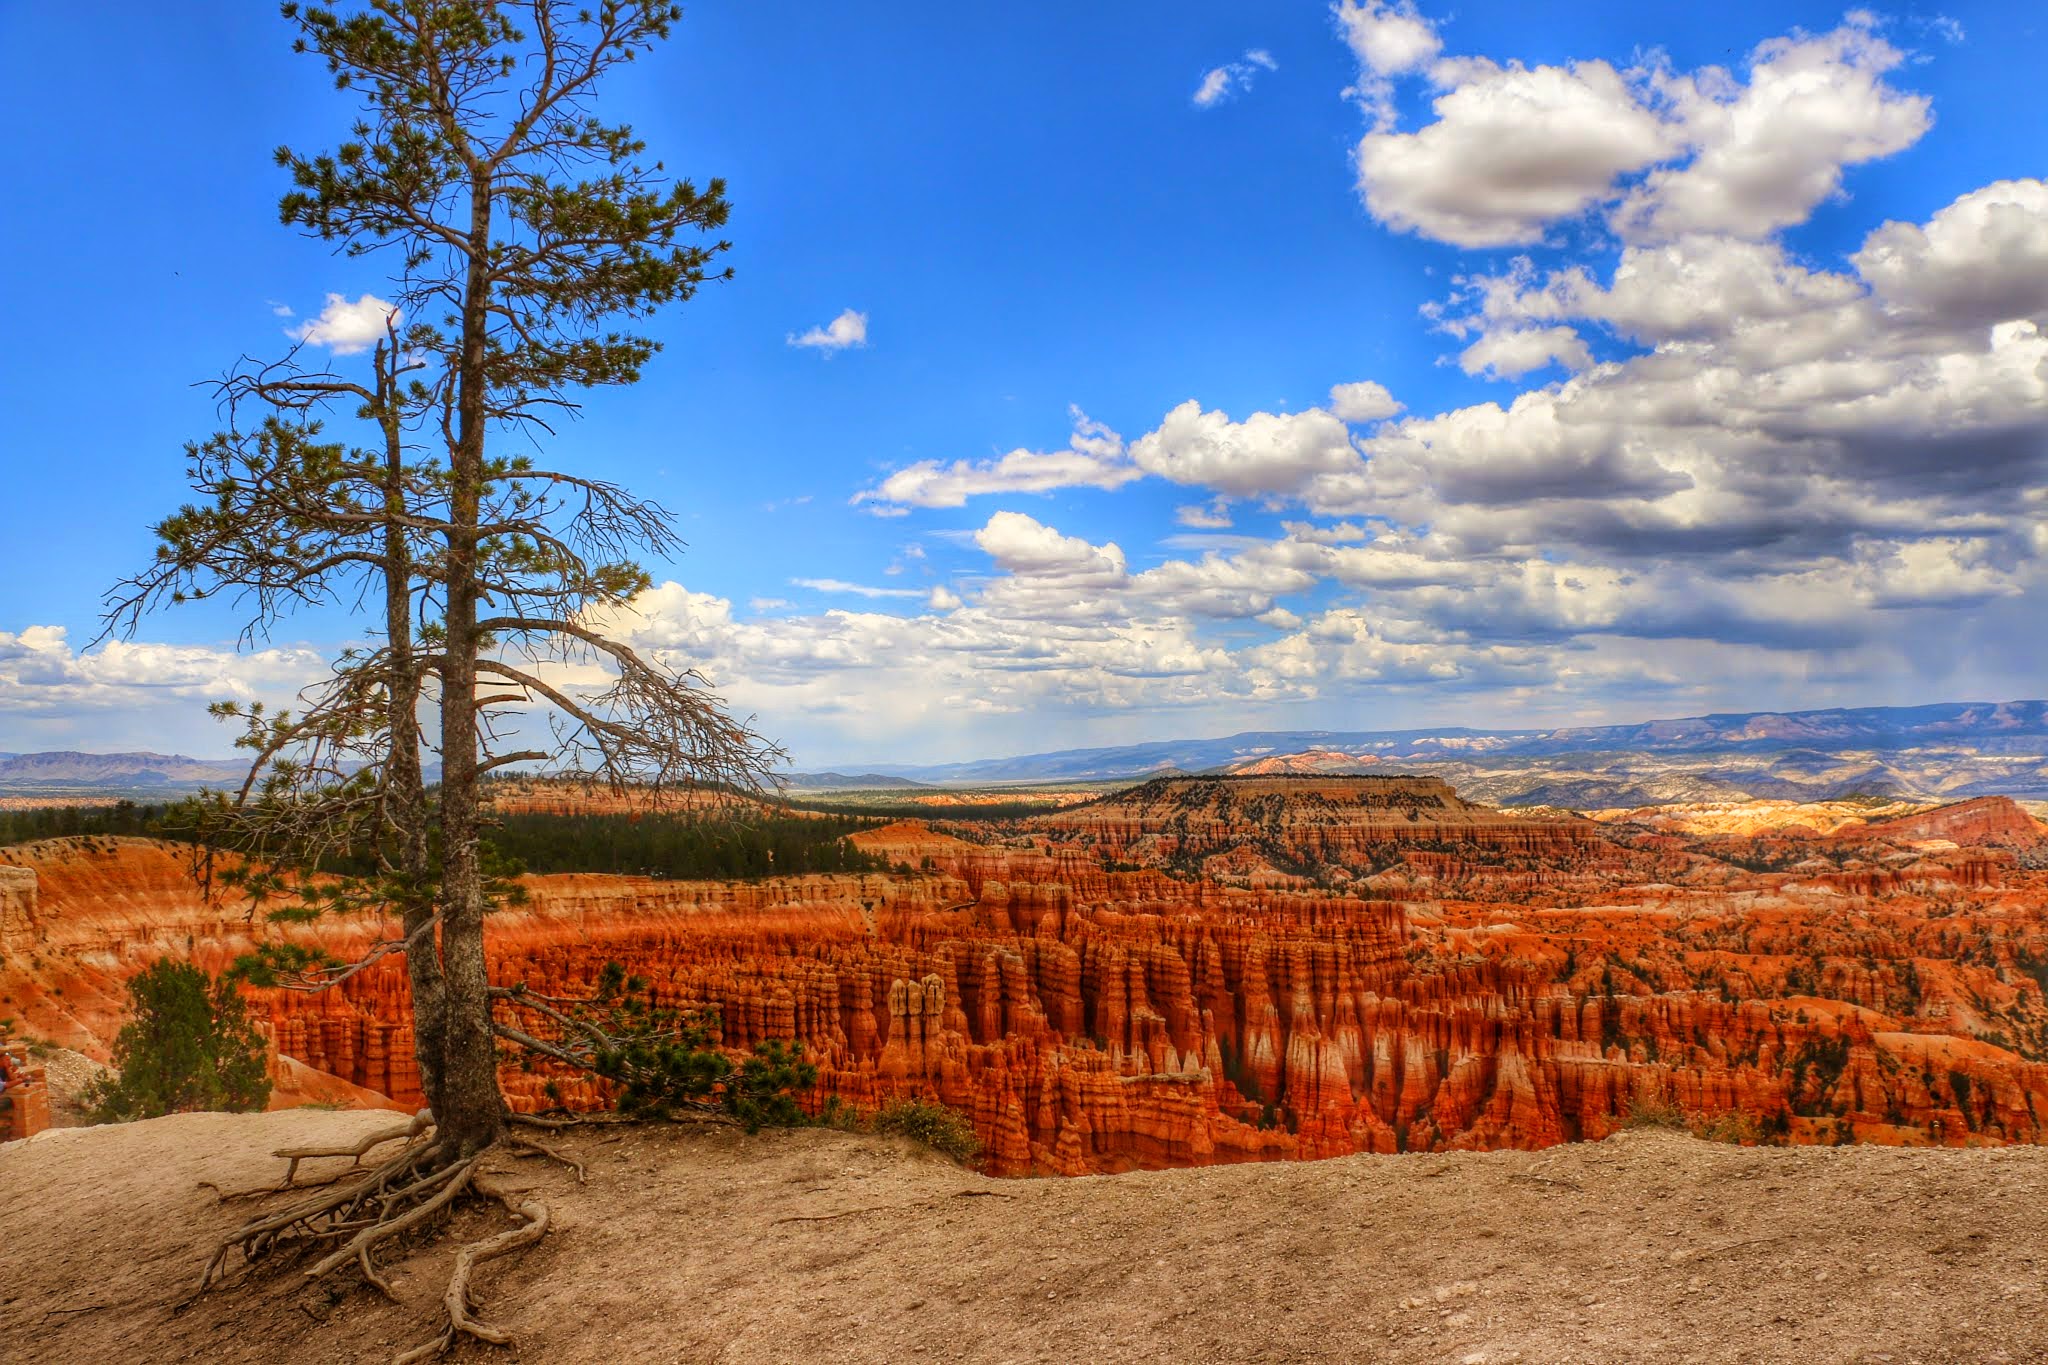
point(1667, 418)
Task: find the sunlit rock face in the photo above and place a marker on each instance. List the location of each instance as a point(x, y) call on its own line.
point(1473, 979)
point(1233, 825)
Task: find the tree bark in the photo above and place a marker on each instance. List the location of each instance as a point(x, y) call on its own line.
point(405, 783)
point(472, 1112)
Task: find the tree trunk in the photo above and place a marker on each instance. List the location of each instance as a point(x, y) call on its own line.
point(405, 783)
point(472, 1112)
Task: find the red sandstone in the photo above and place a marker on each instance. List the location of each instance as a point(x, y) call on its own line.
point(1500, 983)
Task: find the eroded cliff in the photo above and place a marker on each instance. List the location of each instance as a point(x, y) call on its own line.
point(1093, 1016)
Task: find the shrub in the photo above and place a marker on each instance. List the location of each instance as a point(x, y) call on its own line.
point(1654, 1113)
point(1737, 1128)
point(938, 1127)
point(189, 1047)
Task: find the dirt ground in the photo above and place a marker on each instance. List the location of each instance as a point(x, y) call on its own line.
point(701, 1244)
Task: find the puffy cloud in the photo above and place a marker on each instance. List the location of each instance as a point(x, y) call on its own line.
point(1211, 516)
point(1388, 39)
point(1266, 454)
point(848, 329)
point(1022, 545)
point(1511, 150)
point(1980, 260)
point(1312, 534)
point(1698, 289)
point(1363, 401)
point(347, 328)
point(1094, 458)
point(1514, 351)
point(1767, 150)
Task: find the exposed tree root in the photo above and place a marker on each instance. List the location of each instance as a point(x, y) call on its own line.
point(354, 1215)
point(339, 1210)
point(553, 1122)
point(418, 1124)
point(460, 1309)
point(528, 1147)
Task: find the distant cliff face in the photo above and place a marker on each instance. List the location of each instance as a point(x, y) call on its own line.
point(1878, 986)
point(1989, 820)
point(1292, 824)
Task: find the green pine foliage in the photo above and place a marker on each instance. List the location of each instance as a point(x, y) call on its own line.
point(684, 846)
point(667, 1060)
point(190, 1046)
point(63, 822)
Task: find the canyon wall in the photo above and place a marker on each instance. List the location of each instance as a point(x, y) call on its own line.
point(1091, 1016)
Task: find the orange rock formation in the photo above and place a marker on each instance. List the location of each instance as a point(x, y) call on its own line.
point(1479, 981)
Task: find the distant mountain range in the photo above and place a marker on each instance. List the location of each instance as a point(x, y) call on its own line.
point(827, 782)
point(1947, 751)
point(1874, 727)
point(139, 772)
point(1950, 751)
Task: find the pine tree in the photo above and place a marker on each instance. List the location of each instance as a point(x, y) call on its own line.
point(525, 238)
point(190, 1046)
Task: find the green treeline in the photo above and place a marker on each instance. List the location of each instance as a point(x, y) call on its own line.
point(994, 812)
point(58, 822)
point(683, 846)
point(680, 846)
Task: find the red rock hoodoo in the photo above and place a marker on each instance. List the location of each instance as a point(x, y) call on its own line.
point(1270, 968)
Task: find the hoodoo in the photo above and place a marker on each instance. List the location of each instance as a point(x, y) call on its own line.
point(1151, 980)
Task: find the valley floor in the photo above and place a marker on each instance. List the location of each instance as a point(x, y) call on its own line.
point(701, 1244)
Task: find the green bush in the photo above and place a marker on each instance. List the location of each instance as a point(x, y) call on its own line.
point(190, 1046)
point(938, 1127)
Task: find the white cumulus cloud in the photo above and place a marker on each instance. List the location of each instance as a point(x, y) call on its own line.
point(849, 329)
point(1363, 401)
point(1265, 454)
point(347, 328)
point(1513, 352)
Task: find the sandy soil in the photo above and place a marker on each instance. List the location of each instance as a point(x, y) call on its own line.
point(700, 1244)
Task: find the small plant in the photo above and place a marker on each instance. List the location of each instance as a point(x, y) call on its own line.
point(1654, 1113)
point(189, 1047)
point(943, 1129)
point(1737, 1129)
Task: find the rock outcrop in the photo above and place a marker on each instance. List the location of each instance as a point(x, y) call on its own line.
point(1302, 825)
point(20, 896)
point(1988, 820)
